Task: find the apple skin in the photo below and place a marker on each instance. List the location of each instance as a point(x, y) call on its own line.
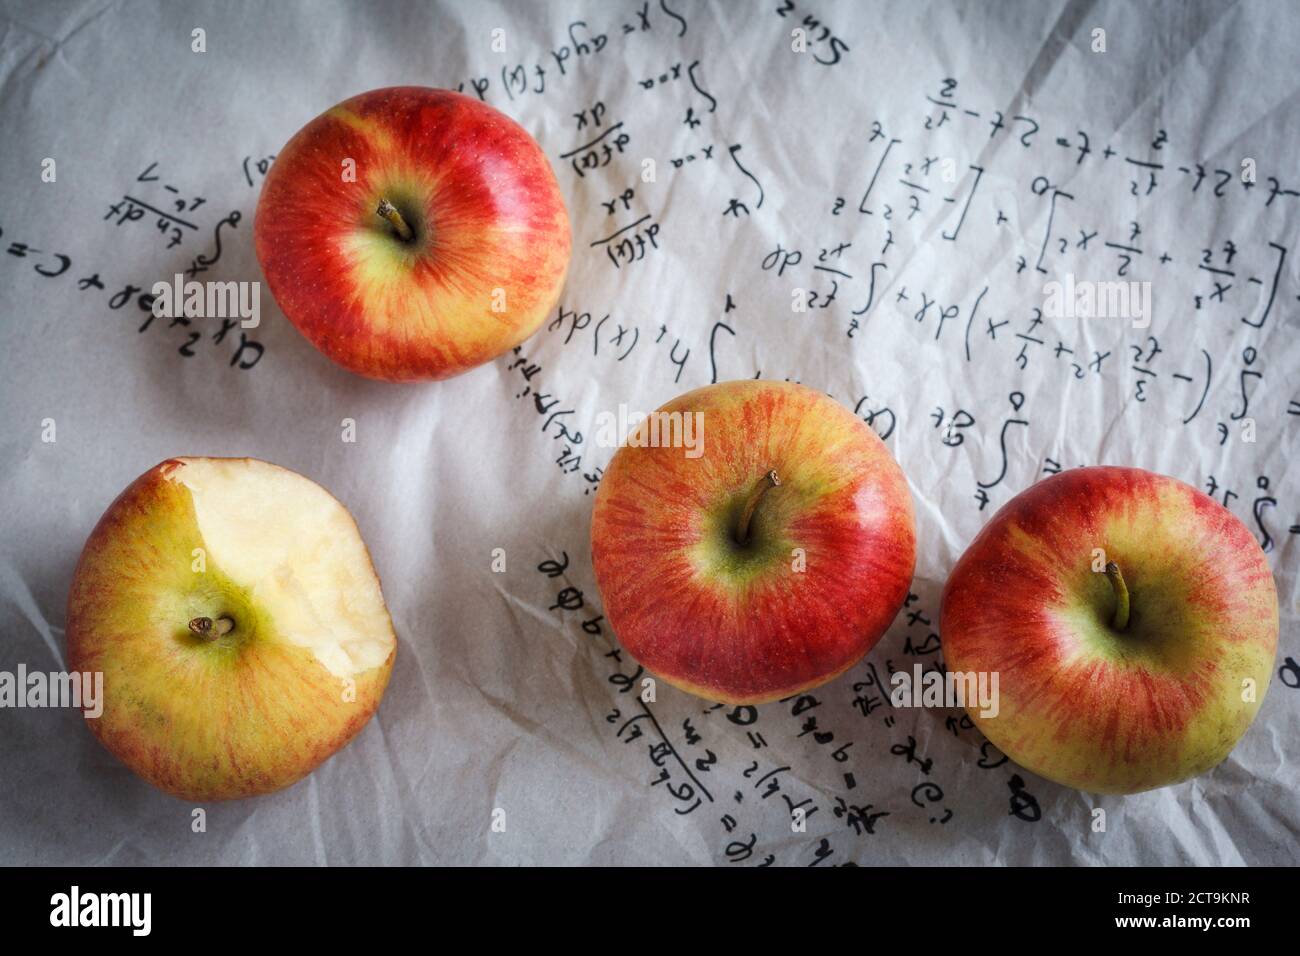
point(1084, 704)
point(242, 715)
point(491, 245)
point(736, 623)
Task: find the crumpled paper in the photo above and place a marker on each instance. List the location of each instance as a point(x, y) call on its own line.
point(746, 161)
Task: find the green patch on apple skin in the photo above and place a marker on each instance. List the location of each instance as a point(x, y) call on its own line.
point(719, 556)
point(167, 605)
point(378, 242)
point(1161, 635)
point(215, 597)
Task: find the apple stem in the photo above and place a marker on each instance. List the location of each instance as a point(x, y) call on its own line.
point(206, 627)
point(389, 212)
point(1116, 578)
point(770, 480)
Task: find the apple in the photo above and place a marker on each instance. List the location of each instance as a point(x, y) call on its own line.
point(764, 562)
point(412, 233)
point(1132, 622)
point(233, 610)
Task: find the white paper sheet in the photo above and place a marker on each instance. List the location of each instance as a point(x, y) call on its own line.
point(500, 699)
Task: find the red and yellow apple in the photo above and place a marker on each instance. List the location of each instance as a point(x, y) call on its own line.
point(766, 561)
point(413, 233)
point(233, 610)
point(1132, 621)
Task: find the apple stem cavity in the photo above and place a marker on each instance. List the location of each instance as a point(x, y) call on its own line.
point(206, 627)
point(1116, 578)
point(389, 212)
point(770, 480)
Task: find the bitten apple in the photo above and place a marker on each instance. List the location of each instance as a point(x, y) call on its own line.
point(233, 610)
point(1133, 623)
point(766, 562)
point(412, 233)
